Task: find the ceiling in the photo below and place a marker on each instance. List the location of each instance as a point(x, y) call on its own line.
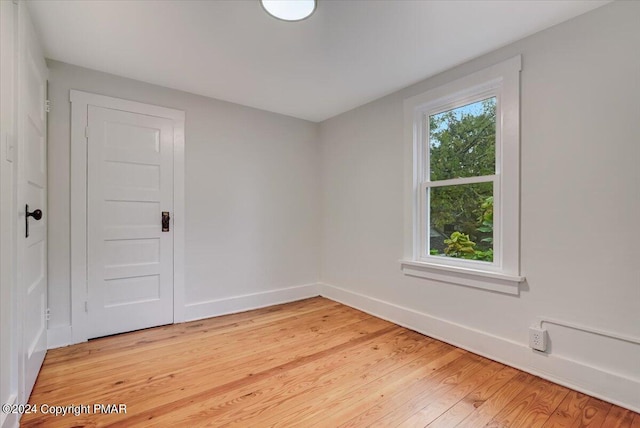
point(346, 54)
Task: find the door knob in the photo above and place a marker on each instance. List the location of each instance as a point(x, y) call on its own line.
point(36, 214)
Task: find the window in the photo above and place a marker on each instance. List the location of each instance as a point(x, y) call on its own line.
point(463, 141)
point(459, 182)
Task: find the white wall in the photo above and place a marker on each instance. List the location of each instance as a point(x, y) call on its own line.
point(251, 195)
point(580, 207)
point(8, 313)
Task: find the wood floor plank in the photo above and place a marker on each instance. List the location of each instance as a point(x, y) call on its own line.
point(311, 407)
point(308, 363)
point(364, 411)
point(474, 399)
point(487, 410)
point(594, 414)
point(618, 418)
point(568, 411)
point(580, 410)
point(532, 407)
point(438, 403)
point(396, 408)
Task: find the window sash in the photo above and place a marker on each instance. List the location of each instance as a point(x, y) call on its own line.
point(424, 223)
point(469, 96)
point(473, 95)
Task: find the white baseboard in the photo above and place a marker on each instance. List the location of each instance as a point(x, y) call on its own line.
point(246, 302)
point(590, 380)
point(10, 420)
point(57, 337)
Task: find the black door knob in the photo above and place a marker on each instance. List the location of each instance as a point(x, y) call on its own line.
point(36, 214)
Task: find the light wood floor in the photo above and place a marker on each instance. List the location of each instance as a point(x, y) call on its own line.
point(304, 364)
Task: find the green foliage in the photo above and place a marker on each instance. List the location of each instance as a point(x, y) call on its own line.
point(485, 256)
point(459, 245)
point(462, 143)
point(486, 220)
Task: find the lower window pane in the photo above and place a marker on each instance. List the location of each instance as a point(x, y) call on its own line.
point(461, 221)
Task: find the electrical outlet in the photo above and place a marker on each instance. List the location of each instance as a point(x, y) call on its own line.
point(538, 338)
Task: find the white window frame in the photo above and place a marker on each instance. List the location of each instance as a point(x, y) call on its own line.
point(503, 274)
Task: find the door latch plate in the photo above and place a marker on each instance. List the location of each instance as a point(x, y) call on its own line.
point(165, 221)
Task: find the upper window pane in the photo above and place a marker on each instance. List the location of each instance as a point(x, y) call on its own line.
point(462, 141)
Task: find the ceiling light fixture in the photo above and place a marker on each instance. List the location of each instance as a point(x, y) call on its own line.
point(289, 10)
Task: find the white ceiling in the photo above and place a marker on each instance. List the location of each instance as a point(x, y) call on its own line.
point(346, 54)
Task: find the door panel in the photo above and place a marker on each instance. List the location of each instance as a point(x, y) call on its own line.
point(32, 191)
point(130, 259)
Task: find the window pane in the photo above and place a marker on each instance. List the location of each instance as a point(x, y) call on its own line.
point(462, 141)
point(461, 221)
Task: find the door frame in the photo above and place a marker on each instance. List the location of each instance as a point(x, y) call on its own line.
point(80, 102)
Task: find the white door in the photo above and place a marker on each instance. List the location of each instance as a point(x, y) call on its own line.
point(129, 253)
point(32, 193)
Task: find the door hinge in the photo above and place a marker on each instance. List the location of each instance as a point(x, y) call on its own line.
point(47, 106)
point(9, 147)
point(86, 132)
point(86, 307)
point(47, 314)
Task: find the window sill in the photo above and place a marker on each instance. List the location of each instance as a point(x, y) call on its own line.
point(494, 281)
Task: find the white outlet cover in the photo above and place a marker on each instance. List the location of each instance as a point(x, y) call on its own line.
point(538, 339)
